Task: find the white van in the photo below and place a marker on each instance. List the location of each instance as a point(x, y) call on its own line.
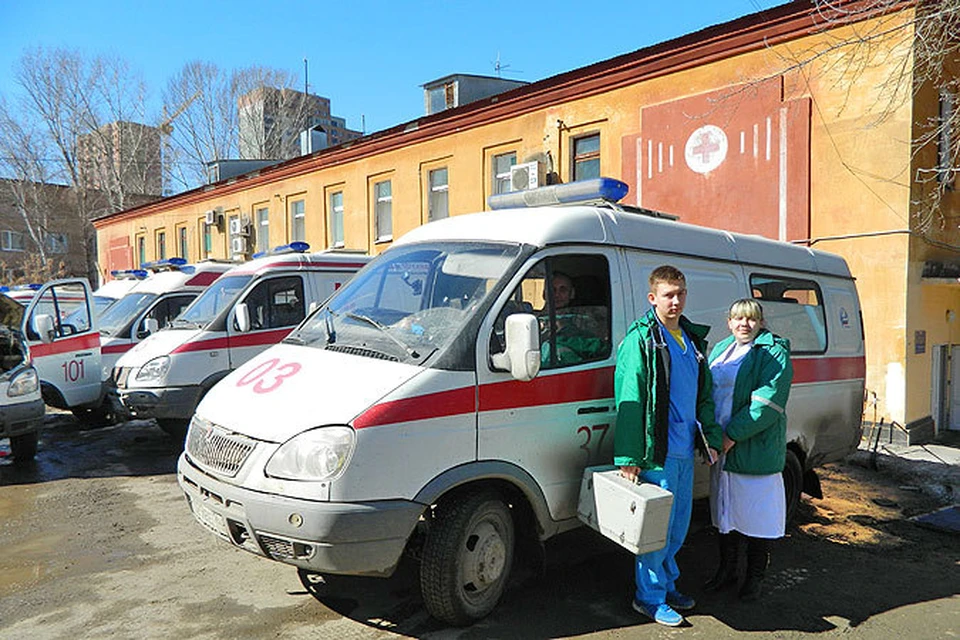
point(109, 292)
point(169, 287)
point(402, 415)
point(21, 406)
point(249, 308)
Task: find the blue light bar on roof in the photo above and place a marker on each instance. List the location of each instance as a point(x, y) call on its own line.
point(166, 263)
point(594, 189)
point(24, 287)
point(293, 247)
point(129, 273)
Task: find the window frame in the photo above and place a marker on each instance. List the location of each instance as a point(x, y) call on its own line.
point(580, 160)
point(160, 244)
point(263, 227)
point(434, 196)
point(790, 279)
point(501, 179)
point(383, 211)
point(336, 219)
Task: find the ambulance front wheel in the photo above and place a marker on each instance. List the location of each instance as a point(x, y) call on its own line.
point(23, 447)
point(467, 557)
point(174, 427)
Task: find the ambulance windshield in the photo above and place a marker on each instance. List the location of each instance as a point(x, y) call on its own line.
point(209, 304)
point(410, 302)
point(117, 318)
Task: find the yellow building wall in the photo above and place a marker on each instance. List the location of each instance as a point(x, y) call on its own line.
point(860, 186)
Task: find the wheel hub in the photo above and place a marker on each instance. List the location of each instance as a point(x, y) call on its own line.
point(487, 558)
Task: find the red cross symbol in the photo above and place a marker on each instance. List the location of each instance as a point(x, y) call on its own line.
point(705, 146)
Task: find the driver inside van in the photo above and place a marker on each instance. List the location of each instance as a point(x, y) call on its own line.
point(574, 340)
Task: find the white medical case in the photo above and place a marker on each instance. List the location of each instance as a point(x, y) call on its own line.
point(635, 516)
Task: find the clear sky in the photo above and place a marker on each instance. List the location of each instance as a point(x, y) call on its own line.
point(368, 56)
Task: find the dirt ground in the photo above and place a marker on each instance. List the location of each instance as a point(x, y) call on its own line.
point(98, 542)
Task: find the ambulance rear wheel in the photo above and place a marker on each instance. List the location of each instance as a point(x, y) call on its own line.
point(792, 483)
point(467, 558)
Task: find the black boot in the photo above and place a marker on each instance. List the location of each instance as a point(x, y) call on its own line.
point(727, 571)
point(758, 557)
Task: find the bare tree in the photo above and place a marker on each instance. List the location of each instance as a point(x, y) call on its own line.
point(78, 123)
point(208, 111)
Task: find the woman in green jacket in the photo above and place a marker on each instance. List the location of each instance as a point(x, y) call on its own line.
point(751, 382)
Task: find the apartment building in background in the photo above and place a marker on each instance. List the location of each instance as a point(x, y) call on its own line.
point(121, 157)
point(271, 121)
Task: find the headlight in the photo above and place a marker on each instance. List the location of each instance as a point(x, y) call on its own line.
point(318, 455)
point(154, 370)
point(23, 383)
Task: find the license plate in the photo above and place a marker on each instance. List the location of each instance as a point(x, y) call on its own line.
point(210, 519)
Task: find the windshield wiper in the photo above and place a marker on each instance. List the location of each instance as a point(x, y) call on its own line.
point(410, 352)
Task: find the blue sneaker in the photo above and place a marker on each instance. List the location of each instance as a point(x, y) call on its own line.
point(659, 613)
point(680, 601)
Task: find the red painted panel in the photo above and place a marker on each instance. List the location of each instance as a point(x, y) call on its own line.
point(732, 159)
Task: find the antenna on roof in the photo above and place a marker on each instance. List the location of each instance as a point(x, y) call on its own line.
point(499, 67)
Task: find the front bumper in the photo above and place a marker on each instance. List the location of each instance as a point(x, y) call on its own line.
point(360, 538)
point(22, 417)
point(166, 402)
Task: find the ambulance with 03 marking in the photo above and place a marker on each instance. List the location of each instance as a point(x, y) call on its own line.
point(445, 402)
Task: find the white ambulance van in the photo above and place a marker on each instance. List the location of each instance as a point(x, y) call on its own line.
point(408, 414)
point(21, 406)
point(249, 308)
point(169, 287)
point(109, 292)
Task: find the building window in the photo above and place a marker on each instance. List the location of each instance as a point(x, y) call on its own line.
point(384, 210)
point(11, 241)
point(298, 227)
point(438, 205)
point(161, 245)
point(501, 171)
point(263, 229)
point(207, 234)
point(141, 250)
point(336, 219)
point(182, 243)
point(57, 242)
point(586, 157)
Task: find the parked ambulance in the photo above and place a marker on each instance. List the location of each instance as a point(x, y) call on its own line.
point(439, 403)
point(170, 286)
point(109, 292)
point(249, 308)
point(21, 406)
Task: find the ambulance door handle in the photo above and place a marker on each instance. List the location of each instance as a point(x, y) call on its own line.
point(585, 410)
point(85, 353)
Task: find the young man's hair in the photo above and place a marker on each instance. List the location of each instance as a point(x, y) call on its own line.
point(668, 274)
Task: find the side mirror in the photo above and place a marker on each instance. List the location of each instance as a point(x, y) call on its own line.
point(150, 325)
point(43, 323)
point(242, 316)
point(522, 355)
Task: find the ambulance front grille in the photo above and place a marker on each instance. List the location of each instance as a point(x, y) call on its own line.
point(360, 351)
point(280, 549)
point(218, 450)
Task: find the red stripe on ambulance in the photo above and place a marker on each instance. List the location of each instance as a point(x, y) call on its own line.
point(117, 348)
point(577, 386)
point(86, 341)
point(235, 341)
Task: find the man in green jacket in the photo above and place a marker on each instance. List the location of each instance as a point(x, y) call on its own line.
point(664, 404)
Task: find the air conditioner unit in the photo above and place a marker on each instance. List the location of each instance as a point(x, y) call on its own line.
point(238, 228)
point(210, 217)
point(525, 176)
point(238, 245)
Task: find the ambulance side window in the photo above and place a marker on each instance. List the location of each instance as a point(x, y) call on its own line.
point(570, 295)
point(792, 308)
point(166, 310)
point(275, 303)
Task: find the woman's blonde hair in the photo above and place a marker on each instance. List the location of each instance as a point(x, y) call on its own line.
point(745, 308)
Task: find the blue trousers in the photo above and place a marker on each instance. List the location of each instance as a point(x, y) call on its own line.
point(657, 571)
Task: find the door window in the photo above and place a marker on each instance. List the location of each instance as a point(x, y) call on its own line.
point(275, 303)
point(67, 304)
point(570, 295)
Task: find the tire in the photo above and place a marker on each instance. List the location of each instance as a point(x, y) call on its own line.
point(467, 558)
point(99, 416)
point(792, 483)
point(176, 429)
point(24, 447)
